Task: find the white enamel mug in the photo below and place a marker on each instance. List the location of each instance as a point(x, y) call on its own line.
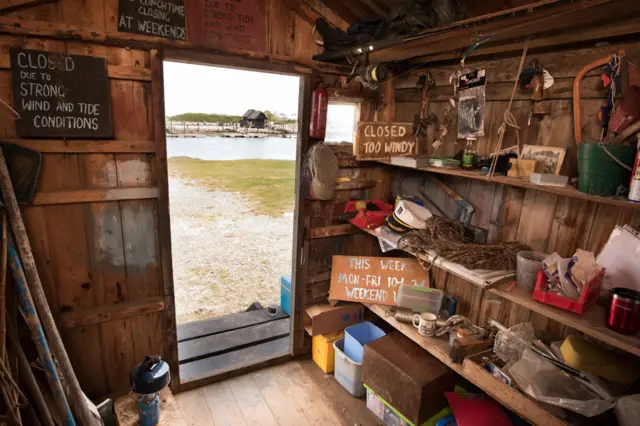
point(425, 323)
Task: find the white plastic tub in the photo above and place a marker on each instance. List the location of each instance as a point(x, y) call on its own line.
point(347, 372)
point(420, 299)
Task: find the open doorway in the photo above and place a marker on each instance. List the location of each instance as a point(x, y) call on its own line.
point(231, 147)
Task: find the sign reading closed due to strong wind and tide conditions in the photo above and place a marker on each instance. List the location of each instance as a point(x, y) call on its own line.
point(377, 141)
point(60, 95)
point(368, 279)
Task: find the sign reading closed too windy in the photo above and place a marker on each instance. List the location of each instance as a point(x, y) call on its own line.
point(228, 24)
point(155, 18)
point(60, 95)
point(377, 141)
point(368, 279)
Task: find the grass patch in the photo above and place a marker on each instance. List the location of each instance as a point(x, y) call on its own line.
point(268, 185)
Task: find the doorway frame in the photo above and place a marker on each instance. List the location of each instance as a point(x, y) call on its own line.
point(300, 248)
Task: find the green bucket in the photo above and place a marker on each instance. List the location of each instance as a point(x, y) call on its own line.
point(598, 173)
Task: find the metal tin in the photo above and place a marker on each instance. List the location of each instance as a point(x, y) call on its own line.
point(623, 315)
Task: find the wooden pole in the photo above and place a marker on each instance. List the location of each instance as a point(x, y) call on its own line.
point(29, 378)
point(77, 398)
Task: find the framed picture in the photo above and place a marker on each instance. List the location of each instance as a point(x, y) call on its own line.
point(551, 156)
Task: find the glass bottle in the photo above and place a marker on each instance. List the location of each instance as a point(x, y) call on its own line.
point(468, 153)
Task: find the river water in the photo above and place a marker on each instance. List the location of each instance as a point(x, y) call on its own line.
point(217, 148)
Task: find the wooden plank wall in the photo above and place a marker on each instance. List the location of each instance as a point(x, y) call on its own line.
point(100, 261)
point(99, 221)
point(289, 25)
point(545, 221)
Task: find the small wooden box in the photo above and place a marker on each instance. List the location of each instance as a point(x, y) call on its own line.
point(407, 377)
point(523, 168)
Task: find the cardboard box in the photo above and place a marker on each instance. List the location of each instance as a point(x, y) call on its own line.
point(407, 377)
point(321, 318)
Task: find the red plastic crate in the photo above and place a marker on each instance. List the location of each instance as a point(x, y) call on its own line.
point(587, 297)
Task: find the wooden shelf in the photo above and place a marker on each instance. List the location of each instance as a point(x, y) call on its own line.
point(488, 280)
point(591, 323)
point(567, 191)
point(507, 396)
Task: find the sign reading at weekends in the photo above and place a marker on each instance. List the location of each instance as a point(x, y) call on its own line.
point(59, 95)
point(229, 24)
point(368, 279)
point(377, 141)
point(156, 18)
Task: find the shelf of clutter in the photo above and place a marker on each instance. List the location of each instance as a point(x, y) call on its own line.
point(510, 397)
point(567, 190)
point(591, 323)
point(485, 279)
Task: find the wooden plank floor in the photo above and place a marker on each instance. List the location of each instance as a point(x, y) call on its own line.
point(296, 393)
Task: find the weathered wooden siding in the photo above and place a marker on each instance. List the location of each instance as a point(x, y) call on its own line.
point(289, 28)
point(99, 221)
point(545, 221)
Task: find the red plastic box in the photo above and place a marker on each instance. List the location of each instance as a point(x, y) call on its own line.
point(587, 297)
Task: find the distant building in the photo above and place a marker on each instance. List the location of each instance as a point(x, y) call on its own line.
point(254, 119)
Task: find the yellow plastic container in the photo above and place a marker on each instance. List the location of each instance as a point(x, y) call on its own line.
point(594, 359)
point(322, 349)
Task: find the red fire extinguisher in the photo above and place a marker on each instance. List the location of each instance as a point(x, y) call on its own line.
point(319, 105)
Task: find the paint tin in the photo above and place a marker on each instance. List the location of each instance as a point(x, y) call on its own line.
point(634, 185)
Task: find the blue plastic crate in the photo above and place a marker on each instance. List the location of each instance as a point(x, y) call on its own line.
point(356, 336)
point(285, 293)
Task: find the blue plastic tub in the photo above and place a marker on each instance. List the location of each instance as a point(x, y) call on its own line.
point(285, 293)
point(356, 336)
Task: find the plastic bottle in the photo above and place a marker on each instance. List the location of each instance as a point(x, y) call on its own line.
point(468, 153)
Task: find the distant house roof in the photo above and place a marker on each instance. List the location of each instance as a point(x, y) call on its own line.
point(252, 114)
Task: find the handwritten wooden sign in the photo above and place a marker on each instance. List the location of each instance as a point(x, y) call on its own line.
point(156, 18)
point(373, 279)
point(230, 24)
point(376, 141)
point(60, 95)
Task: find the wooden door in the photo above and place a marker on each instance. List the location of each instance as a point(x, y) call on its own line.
point(98, 223)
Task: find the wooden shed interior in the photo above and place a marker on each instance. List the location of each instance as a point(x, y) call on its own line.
point(93, 242)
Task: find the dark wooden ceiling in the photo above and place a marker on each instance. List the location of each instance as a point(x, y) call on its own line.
point(357, 10)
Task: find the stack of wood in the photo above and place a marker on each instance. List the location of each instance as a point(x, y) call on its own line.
point(37, 383)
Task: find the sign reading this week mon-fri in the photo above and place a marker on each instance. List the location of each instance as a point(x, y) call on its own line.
point(369, 279)
point(377, 141)
point(60, 95)
point(155, 18)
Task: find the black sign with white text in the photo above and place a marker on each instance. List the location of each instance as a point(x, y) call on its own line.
point(60, 95)
point(156, 18)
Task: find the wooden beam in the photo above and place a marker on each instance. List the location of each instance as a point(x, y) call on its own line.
point(590, 33)
point(63, 31)
point(332, 231)
point(562, 19)
point(356, 184)
point(300, 259)
point(84, 146)
point(170, 335)
point(101, 314)
point(94, 195)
